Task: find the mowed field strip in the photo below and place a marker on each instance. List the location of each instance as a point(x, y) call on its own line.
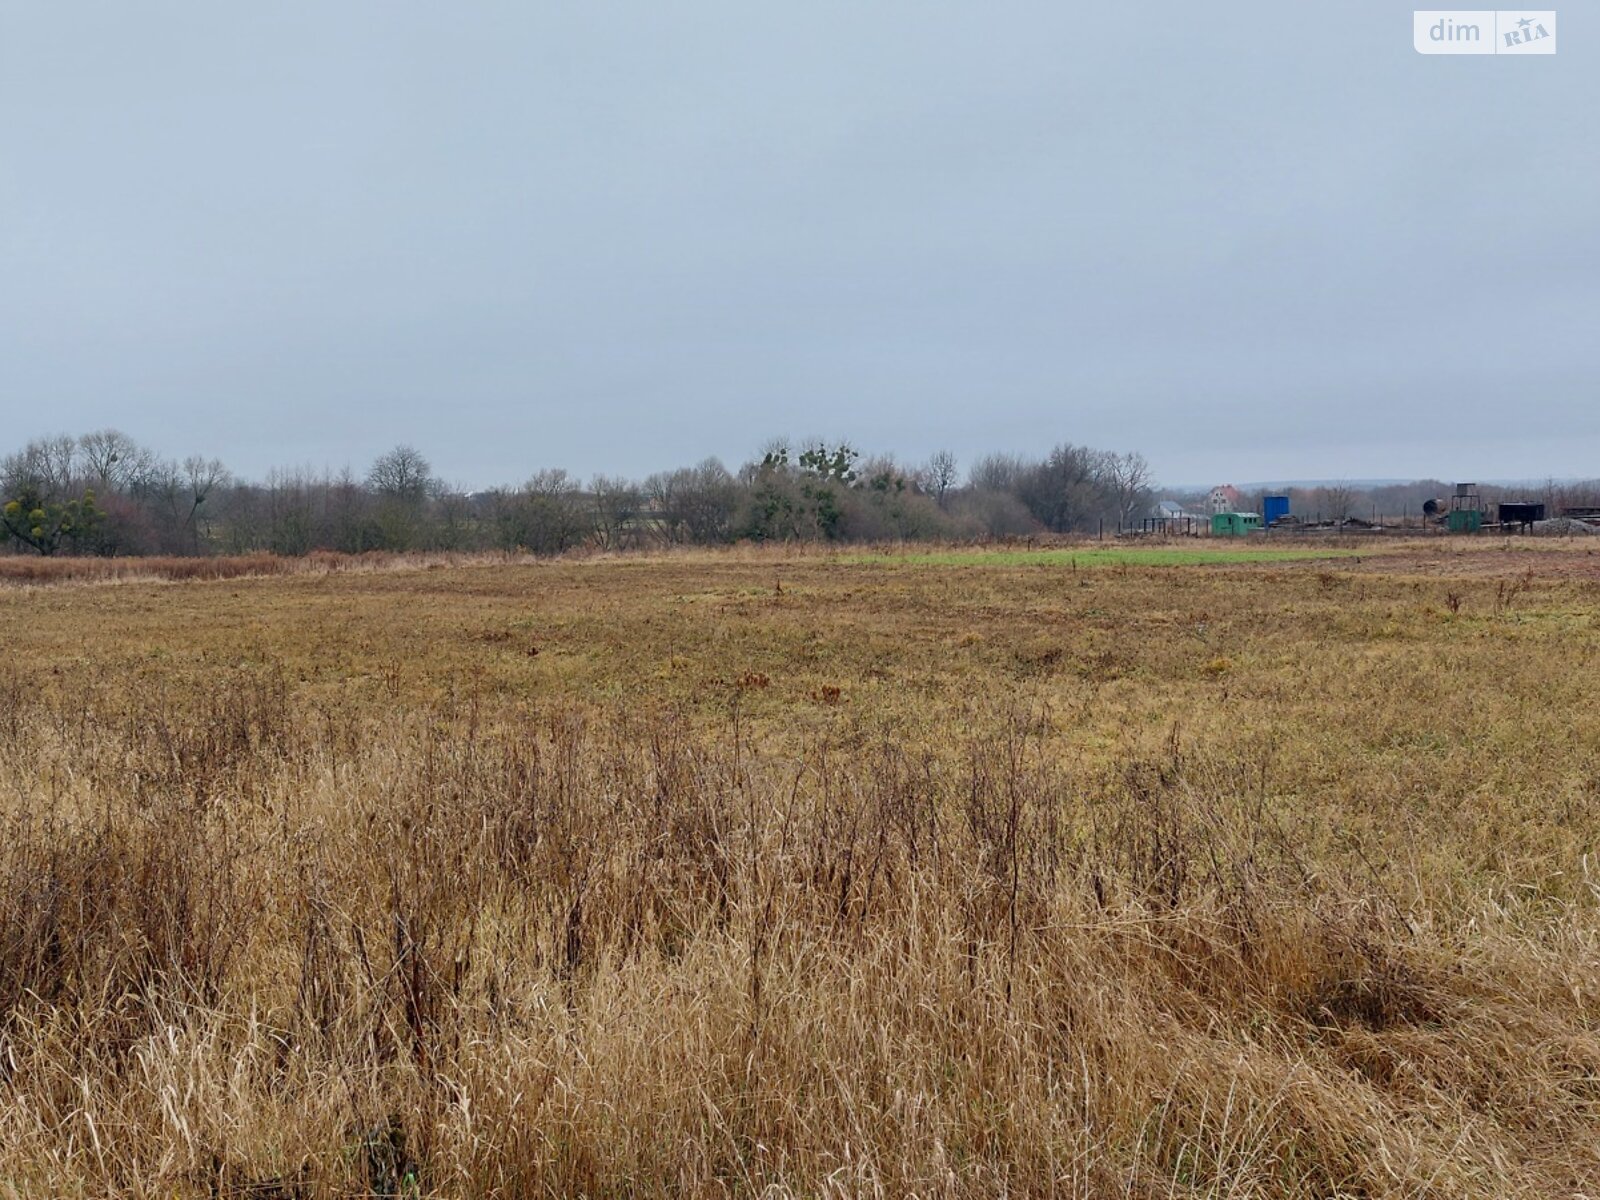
point(1161, 871)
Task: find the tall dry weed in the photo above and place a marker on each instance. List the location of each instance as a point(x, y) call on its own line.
point(249, 946)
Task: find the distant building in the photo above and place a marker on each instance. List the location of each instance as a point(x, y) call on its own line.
point(1173, 510)
point(1223, 499)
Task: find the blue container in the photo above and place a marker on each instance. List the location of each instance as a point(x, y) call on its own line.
point(1274, 508)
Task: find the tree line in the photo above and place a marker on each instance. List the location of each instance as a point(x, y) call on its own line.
point(106, 494)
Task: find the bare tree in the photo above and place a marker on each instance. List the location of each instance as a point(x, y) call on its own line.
point(1339, 499)
point(350, 514)
point(451, 524)
point(290, 519)
point(940, 475)
point(402, 474)
point(48, 465)
point(1126, 480)
point(999, 472)
point(402, 481)
point(1061, 492)
point(695, 504)
point(201, 477)
point(617, 502)
point(112, 459)
point(545, 516)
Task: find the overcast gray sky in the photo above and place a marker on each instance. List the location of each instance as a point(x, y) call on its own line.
point(1254, 240)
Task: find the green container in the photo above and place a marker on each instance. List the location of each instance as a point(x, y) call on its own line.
point(1234, 524)
point(1464, 520)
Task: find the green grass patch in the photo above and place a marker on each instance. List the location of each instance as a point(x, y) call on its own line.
point(1105, 556)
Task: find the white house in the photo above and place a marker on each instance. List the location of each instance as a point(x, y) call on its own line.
point(1224, 498)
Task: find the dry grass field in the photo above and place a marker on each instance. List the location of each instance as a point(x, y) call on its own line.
point(770, 873)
